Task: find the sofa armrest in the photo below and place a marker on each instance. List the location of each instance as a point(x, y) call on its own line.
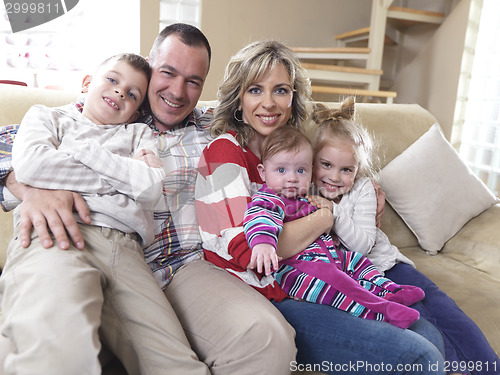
point(477, 244)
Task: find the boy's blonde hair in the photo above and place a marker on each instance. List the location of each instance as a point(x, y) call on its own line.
point(283, 139)
point(339, 125)
point(137, 62)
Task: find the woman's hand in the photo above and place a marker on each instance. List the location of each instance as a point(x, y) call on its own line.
point(148, 157)
point(264, 258)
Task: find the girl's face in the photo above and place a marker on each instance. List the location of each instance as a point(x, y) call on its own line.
point(335, 169)
point(267, 104)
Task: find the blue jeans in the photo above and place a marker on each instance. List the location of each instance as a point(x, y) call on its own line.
point(335, 342)
point(463, 339)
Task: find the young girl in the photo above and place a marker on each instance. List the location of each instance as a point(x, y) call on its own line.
point(319, 274)
point(342, 169)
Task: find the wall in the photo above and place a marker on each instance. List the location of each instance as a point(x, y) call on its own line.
point(430, 74)
point(149, 10)
point(430, 56)
point(231, 24)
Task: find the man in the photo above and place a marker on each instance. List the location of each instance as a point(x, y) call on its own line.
point(205, 299)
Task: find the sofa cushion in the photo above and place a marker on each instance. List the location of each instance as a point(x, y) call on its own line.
point(475, 292)
point(477, 245)
point(433, 191)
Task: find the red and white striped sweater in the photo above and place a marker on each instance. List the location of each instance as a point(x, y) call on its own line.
point(227, 179)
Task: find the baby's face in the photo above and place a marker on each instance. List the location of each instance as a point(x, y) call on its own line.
point(289, 173)
point(335, 170)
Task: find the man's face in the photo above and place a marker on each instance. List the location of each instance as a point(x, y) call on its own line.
point(178, 74)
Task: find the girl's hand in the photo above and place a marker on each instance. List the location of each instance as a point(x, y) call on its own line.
point(320, 202)
point(264, 258)
point(148, 157)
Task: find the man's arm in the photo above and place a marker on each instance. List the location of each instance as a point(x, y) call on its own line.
point(42, 209)
point(380, 203)
point(48, 209)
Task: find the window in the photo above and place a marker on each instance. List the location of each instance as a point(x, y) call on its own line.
point(60, 53)
point(187, 11)
point(479, 136)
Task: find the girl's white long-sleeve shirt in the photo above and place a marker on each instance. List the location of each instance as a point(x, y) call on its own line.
point(354, 225)
point(59, 148)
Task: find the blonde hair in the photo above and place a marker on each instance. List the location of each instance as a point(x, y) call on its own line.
point(336, 125)
point(282, 140)
point(245, 68)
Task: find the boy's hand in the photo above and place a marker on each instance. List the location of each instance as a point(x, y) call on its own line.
point(148, 157)
point(320, 202)
point(264, 258)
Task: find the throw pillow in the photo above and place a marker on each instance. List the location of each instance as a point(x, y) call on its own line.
point(433, 190)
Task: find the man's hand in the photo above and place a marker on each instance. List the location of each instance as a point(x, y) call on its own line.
point(264, 258)
point(52, 209)
point(48, 209)
point(380, 203)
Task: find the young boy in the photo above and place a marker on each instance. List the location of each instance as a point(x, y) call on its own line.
point(321, 273)
point(48, 298)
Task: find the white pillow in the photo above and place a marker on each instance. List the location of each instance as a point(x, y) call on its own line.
point(433, 191)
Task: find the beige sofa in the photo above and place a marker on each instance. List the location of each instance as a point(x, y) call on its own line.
point(466, 267)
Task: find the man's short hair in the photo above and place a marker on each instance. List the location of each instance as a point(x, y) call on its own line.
point(188, 34)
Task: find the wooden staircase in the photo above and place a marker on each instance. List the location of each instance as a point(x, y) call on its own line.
point(354, 66)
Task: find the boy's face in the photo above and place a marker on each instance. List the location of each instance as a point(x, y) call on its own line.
point(288, 173)
point(335, 170)
point(115, 94)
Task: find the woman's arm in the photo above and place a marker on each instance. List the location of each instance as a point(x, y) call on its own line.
point(227, 178)
point(300, 233)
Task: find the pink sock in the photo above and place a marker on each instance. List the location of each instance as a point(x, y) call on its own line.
point(400, 315)
point(407, 295)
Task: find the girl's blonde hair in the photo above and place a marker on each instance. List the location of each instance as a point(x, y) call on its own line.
point(245, 68)
point(339, 125)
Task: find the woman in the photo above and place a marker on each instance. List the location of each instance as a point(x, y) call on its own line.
point(265, 88)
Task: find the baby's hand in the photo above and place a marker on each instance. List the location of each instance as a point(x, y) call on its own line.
point(264, 258)
point(320, 202)
point(148, 157)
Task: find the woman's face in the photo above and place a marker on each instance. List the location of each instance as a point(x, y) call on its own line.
point(267, 103)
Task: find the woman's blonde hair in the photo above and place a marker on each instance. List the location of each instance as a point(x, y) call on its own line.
point(248, 66)
point(339, 125)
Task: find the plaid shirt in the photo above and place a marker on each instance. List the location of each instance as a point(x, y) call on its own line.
point(177, 240)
